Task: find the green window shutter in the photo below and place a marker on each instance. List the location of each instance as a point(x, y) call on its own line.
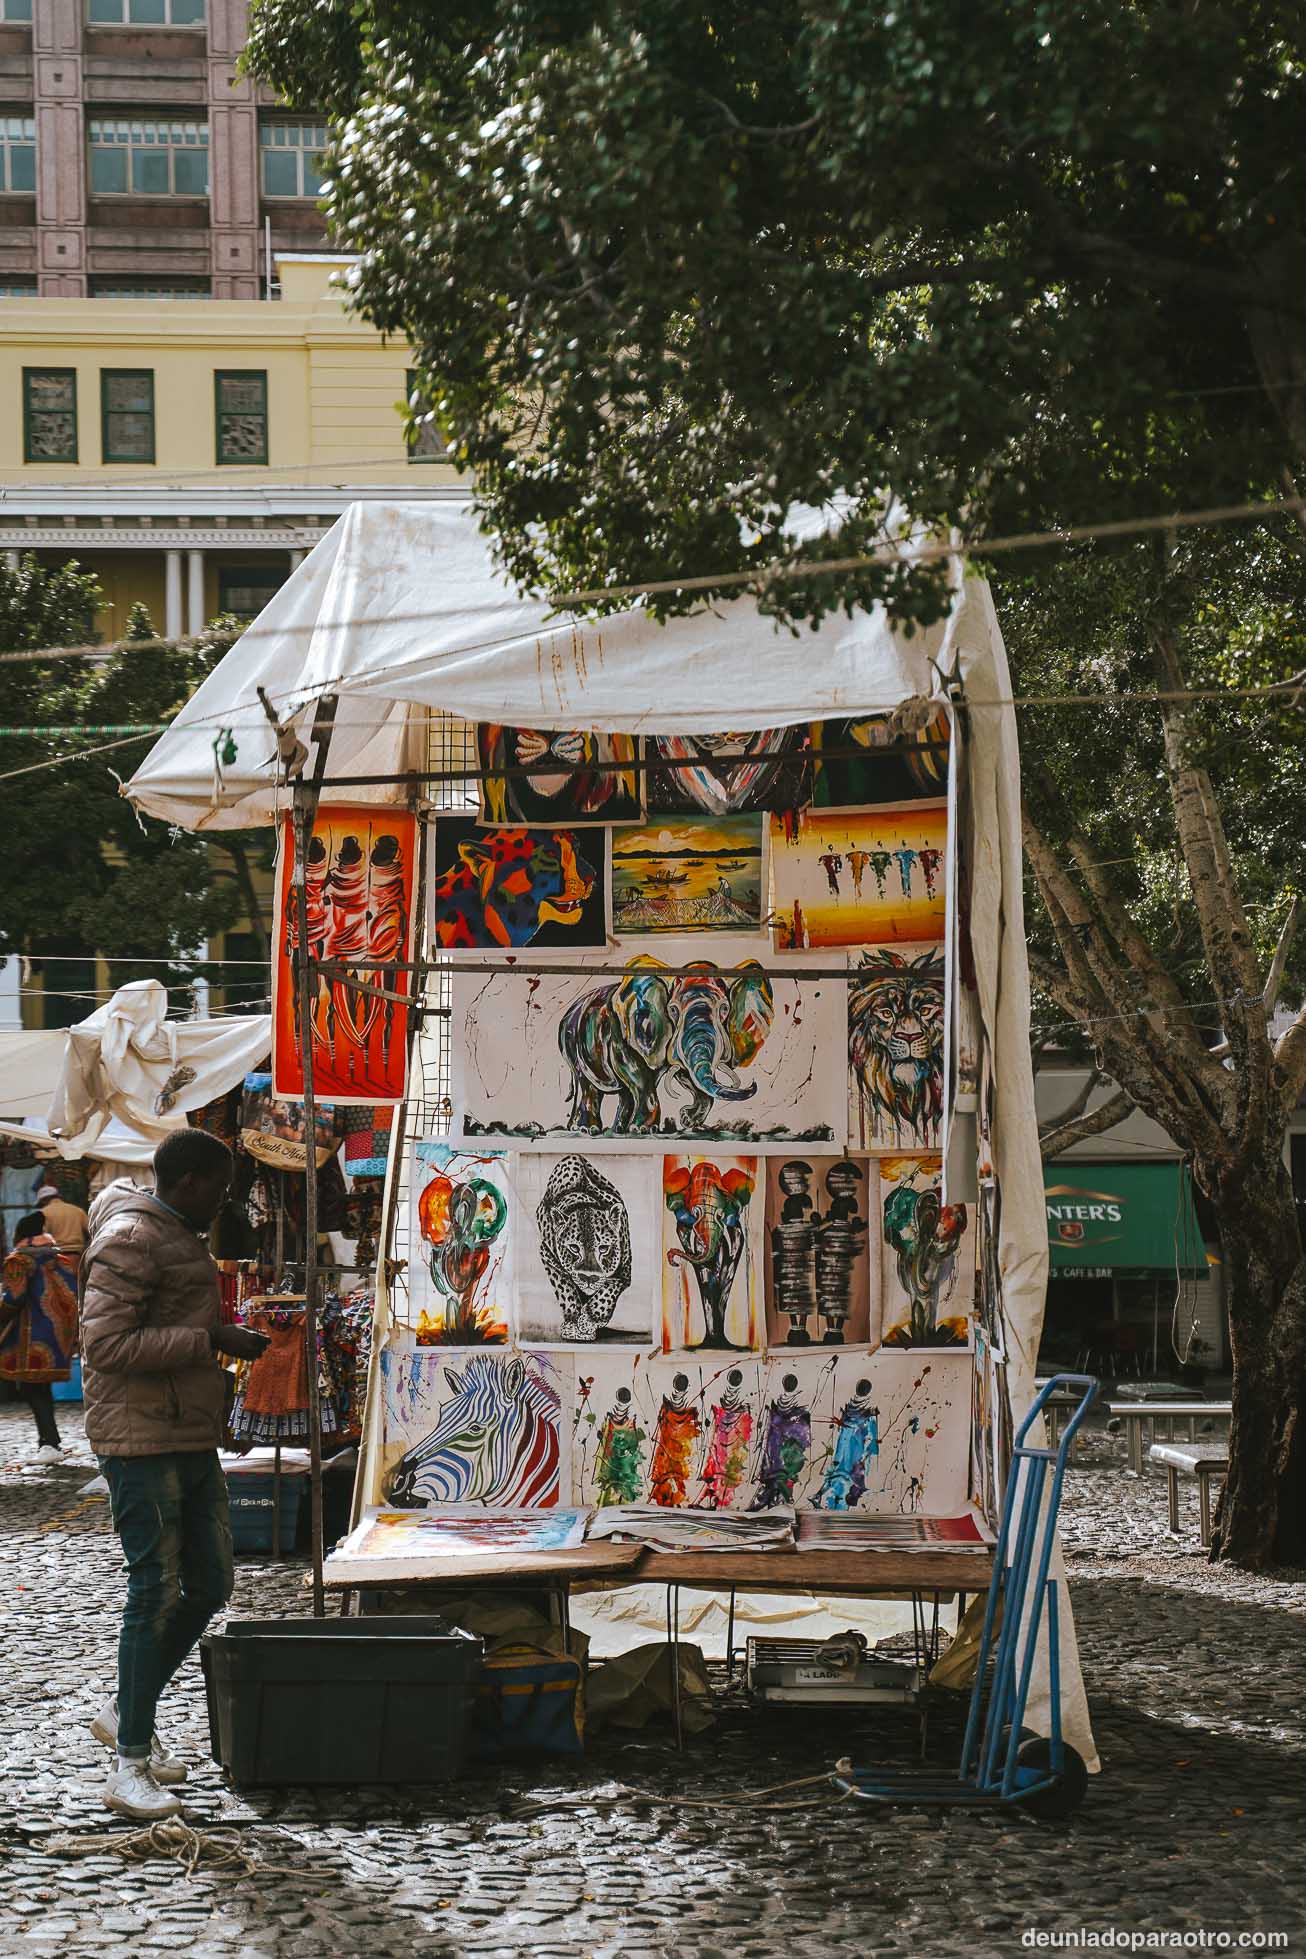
point(127, 414)
point(50, 414)
point(241, 411)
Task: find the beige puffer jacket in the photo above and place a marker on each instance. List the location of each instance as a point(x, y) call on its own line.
point(151, 1380)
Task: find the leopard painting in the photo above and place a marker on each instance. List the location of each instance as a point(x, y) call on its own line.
point(503, 887)
point(584, 1232)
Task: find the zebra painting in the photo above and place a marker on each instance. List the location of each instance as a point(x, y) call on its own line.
point(496, 1439)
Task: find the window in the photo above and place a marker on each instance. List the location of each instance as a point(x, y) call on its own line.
point(147, 288)
point(291, 156)
point(146, 13)
point(50, 414)
point(246, 589)
point(149, 159)
point(241, 401)
point(127, 414)
point(425, 442)
point(18, 288)
point(17, 152)
point(15, 10)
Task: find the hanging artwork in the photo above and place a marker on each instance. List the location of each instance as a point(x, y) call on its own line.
point(834, 1431)
point(498, 890)
point(588, 1244)
point(679, 1049)
point(711, 1241)
point(895, 1048)
point(728, 774)
point(927, 1257)
point(460, 1246)
point(864, 761)
point(558, 775)
point(699, 874)
point(359, 883)
point(475, 1428)
point(871, 877)
point(818, 1239)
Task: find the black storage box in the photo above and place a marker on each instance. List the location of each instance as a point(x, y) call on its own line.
point(339, 1700)
point(251, 1500)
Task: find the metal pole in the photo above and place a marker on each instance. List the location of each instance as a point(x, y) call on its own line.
point(305, 802)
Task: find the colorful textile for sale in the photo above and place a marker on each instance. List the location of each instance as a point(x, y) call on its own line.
point(367, 1140)
point(271, 1403)
point(38, 1316)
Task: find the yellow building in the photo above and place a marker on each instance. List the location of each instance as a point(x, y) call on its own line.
point(190, 451)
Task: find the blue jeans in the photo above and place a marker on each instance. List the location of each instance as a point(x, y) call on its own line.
point(170, 1512)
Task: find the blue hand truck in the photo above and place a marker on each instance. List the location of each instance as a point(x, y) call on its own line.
point(1001, 1760)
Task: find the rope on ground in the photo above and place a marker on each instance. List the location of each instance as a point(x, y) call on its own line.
point(745, 1799)
point(217, 1850)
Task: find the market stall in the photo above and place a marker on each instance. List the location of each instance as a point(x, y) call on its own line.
point(715, 1198)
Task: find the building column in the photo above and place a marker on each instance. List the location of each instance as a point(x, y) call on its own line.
point(13, 560)
point(296, 560)
point(194, 591)
point(172, 600)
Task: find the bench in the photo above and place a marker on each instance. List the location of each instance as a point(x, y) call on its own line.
point(1200, 1459)
point(1134, 1413)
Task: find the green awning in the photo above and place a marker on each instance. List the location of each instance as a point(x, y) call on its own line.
point(1136, 1216)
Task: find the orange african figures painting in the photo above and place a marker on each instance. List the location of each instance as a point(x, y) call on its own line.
point(359, 883)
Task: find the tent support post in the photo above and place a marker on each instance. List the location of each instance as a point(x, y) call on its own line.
point(306, 796)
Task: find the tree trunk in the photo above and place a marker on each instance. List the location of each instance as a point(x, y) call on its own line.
point(1261, 1520)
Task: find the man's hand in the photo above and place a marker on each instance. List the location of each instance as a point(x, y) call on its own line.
point(240, 1342)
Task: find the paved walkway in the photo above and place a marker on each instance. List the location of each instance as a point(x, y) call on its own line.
point(1195, 1680)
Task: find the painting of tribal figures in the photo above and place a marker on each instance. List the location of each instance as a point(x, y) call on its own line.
point(678, 1049)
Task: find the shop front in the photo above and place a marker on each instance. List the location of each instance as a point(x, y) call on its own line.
point(1133, 1287)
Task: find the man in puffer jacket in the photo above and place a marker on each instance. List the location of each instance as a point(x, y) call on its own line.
point(152, 1347)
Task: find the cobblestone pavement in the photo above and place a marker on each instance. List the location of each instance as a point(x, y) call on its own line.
point(1195, 1681)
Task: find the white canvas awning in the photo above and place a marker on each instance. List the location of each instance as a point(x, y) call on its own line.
point(401, 607)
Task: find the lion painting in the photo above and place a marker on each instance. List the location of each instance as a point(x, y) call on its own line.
point(895, 1048)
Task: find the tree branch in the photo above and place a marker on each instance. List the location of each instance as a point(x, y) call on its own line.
point(1053, 1141)
point(1078, 1103)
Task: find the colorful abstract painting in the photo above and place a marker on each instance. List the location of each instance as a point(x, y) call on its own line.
point(500, 890)
point(728, 774)
point(392, 1545)
point(588, 1249)
point(853, 1532)
point(874, 877)
point(698, 874)
point(818, 1250)
point(475, 1428)
point(895, 1048)
point(558, 775)
point(861, 762)
point(360, 888)
point(462, 1220)
point(711, 1253)
point(676, 1049)
point(927, 1254)
point(834, 1431)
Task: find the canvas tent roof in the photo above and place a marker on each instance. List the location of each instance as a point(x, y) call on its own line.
point(401, 608)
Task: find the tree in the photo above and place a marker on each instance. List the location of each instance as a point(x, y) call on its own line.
point(667, 270)
point(85, 873)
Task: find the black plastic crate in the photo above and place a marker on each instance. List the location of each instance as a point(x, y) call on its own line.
point(339, 1700)
point(250, 1504)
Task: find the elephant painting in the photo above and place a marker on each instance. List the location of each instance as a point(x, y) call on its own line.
point(709, 1207)
point(698, 1028)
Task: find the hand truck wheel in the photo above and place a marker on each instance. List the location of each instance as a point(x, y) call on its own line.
point(1063, 1796)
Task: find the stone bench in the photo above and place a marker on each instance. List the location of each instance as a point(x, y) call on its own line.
point(1200, 1459)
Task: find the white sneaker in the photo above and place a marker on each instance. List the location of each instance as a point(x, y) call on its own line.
point(133, 1791)
point(48, 1453)
point(164, 1766)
